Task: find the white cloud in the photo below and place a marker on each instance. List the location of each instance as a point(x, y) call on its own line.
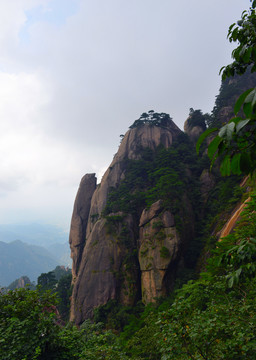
point(12, 18)
point(21, 97)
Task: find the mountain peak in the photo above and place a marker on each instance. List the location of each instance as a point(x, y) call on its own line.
point(99, 255)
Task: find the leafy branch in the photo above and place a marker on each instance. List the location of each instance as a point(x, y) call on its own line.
point(234, 143)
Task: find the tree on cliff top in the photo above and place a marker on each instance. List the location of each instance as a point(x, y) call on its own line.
point(153, 118)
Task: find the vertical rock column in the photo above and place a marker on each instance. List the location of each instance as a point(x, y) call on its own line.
point(77, 237)
point(159, 249)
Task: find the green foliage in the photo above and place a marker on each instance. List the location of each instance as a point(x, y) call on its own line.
point(113, 315)
point(217, 209)
point(29, 328)
point(94, 217)
point(143, 344)
point(58, 281)
point(235, 141)
point(168, 185)
point(64, 292)
point(112, 223)
point(158, 175)
point(61, 271)
point(244, 55)
point(157, 224)
point(100, 344)
point(153, 119)
point(197, 118)
point(210, 318)
point(47, 281)
point(214, 317)
point(208, 322)
point(235, 255)
point(164, 252)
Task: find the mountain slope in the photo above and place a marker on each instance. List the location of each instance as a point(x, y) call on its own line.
point(18, 259)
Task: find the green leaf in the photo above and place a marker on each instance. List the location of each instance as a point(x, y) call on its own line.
point(251, 98)
point(248, 109)
point(234, 34)
point(240, 248)
point(253, 240)
point(227, 131)
point(235, 164)
point(231, 281)
point(241, 124)
point(221, 70)
point(245, 163)
point(213, 160)
point(231, 28)
point(203, 136)
point(225, 167)
point(213, 146)
point(235, 119)
point(241, 100)
point(243, 50)
point(247, 55)
point(221, 148)
point(238, 272)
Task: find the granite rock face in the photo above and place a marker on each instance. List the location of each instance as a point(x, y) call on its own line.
point(77, 235)
point(207, 182)
point(159, 245)
point(193, 131)
point(120, 256)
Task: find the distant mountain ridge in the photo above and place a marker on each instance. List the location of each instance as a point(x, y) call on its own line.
point(18, 259)
point(33, 233)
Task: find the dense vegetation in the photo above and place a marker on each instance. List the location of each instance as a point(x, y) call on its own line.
point(158, 174)
point(197, 118)
point(211, 317)
point(58, 281)
point(152, 118)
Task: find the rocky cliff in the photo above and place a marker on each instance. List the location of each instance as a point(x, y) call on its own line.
point(142, 229)
point(123, 255)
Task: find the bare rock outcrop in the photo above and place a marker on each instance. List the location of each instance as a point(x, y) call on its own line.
point(77, 235)
point(104, 249)
point(193, 131)
point(159, 248)
point(103, 273)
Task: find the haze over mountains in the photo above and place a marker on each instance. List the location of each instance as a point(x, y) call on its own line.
point(31, 249)
point(33, 233)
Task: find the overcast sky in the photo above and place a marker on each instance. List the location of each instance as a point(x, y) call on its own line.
point(75, 74)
